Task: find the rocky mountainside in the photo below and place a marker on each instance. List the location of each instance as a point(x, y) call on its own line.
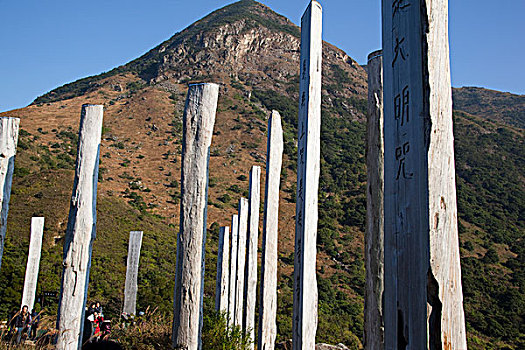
point(244, 41)
point(253, 53)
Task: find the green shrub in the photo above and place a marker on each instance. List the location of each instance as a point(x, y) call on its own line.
point(235, 188)
point(491, 256)
point(216, 335)
point(225, 198)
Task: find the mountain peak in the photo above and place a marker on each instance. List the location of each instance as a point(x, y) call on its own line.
point(228, 29)
point(242, 11)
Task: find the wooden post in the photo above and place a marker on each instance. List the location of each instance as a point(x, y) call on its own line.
point(374, 237)
point(233, 269)
point(250, 284)
point(423, 296)
point(81, 231)
point(268, 293)
point(198, 122)
point(241, 262)
point(309, 130)
point(132, 271)
point(223, 271)
point(8, 142)
point(33, 262)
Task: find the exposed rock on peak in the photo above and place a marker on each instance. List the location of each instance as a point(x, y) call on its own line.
point(245, 41)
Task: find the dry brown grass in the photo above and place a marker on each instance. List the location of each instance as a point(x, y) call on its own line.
point(141, 124)
point(151, 331)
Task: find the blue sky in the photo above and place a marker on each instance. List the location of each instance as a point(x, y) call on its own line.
point(45, 44)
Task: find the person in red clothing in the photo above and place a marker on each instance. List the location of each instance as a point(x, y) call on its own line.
point(97, 322)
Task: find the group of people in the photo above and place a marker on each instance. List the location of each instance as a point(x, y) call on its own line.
point(23, 324)
point(95, 327)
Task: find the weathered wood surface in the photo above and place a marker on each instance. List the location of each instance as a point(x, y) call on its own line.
point(241, 262)
point(374, 236)
point(268, 291)
point(250, 284)
point(423, 295)
point(8, 142)
point(81, 231)
point(233, 269)
point(198, 122)
point(132, 272)
point(33, 262)
point(223, 270)
point(309, 129)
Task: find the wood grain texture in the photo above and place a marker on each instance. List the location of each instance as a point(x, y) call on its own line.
point(250, 284)
point(198, 123)
point(132, 272)
point(81, 231)
point(423, 294)
point(222, 283)
point(374, 234)
point(233, 268)
point(33, 262)
point(308, 166)
point(268, 291)
point(8, 143)
point(240, 301)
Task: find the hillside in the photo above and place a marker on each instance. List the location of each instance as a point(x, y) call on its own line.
point(253, 53)
point(502, 107)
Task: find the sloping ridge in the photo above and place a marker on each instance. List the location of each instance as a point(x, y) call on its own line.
point(503, 107)
point(248, 12)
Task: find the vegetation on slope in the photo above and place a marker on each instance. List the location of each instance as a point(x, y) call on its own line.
point(490, 199)
point(489, 162)
point(499, 106)
point(42, 187)
point(490, 159)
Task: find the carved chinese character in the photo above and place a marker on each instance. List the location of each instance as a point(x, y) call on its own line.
point(303, 76)
point(405, 114)
point(401, 107)
point(302, 131)
point(300, 190)
point(401, 153)
point(398, 51)
point(399, 5)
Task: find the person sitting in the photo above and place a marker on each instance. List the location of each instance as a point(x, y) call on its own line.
point(22, 322)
